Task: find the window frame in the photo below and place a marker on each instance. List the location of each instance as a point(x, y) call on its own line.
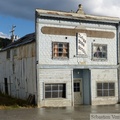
point(103, 52)
point(8, 53)
point(76, 86)
point(104, 90)
point(52, 90)
point(59, 52)
point(15, 52)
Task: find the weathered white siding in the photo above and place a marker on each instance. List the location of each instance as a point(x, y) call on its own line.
point(20, 71)
point(47, 76)
point(45, 44)
point(103, 75)
point(99, 70)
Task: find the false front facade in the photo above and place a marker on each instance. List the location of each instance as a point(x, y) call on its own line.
point(77, 58)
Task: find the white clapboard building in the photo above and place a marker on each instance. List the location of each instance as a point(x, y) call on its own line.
point(72, 59)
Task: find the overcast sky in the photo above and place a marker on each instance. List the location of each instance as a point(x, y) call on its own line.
point(21, 12)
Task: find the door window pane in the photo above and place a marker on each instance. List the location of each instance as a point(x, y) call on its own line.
point(76, 87)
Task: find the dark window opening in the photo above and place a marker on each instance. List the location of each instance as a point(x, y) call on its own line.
point(105, 89)
point(76, 87)
point(55, 90)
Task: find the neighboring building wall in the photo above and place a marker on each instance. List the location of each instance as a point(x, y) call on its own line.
point(20, 71)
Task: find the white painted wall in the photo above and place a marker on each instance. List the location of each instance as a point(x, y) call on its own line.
point(103, 75)
point(45, 44)
point(51, 76)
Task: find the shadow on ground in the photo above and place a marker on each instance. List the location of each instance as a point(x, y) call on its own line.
point(7, 101)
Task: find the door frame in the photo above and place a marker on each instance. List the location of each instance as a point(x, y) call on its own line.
point(81, 88)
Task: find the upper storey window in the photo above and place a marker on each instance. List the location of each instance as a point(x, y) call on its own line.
point(8, 54)
point(60, 50)
point(99, 52)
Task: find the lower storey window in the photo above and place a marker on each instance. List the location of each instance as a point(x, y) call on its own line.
point(55, 90)
point(106, 89)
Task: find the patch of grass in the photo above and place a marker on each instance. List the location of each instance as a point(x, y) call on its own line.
point(8, 102)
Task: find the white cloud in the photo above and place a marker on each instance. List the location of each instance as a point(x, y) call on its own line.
point(103, 7)
point(26, 8)
point(2, 35)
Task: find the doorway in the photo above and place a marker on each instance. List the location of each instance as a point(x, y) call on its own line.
point(78, 91)
point(6, 85)
point(82, 86)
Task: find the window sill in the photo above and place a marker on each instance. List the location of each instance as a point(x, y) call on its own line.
point(98, 59)
point(61, 58)
point(105, 96)
point(55, 98)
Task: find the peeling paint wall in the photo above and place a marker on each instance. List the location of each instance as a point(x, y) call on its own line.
point(45, 46)
point(48, 76)
point(59, 30)
point(103, 75)
point(19, 70)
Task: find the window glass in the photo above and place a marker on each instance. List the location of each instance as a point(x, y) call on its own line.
point(48, 94)
point(99, 92)
point(105, 89)
point(76, 87)
point(99, 51)
point(60, 50)
point(99, 85)
point(105, 93)
point(54, 87)
point(47, 87)
point(55, 90)
point(111, 92)
point(55, 95)
point(111, 85)
point(105, 85)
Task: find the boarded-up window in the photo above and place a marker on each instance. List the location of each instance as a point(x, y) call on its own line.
point(55, 90)
point(60, 50)
point(15, 52)
point(106, 89)
point(8, 54)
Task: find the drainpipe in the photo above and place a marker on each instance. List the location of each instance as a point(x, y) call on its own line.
point(118, 58)
point(72, 92)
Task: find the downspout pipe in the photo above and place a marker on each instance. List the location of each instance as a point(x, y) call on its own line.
point(118, 58)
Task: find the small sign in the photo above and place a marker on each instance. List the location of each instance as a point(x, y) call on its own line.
point(104, 116)
point(81, 44)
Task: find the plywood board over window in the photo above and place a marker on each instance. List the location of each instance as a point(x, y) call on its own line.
point(8, 54)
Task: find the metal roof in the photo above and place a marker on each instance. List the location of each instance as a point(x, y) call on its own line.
point(23, 40)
